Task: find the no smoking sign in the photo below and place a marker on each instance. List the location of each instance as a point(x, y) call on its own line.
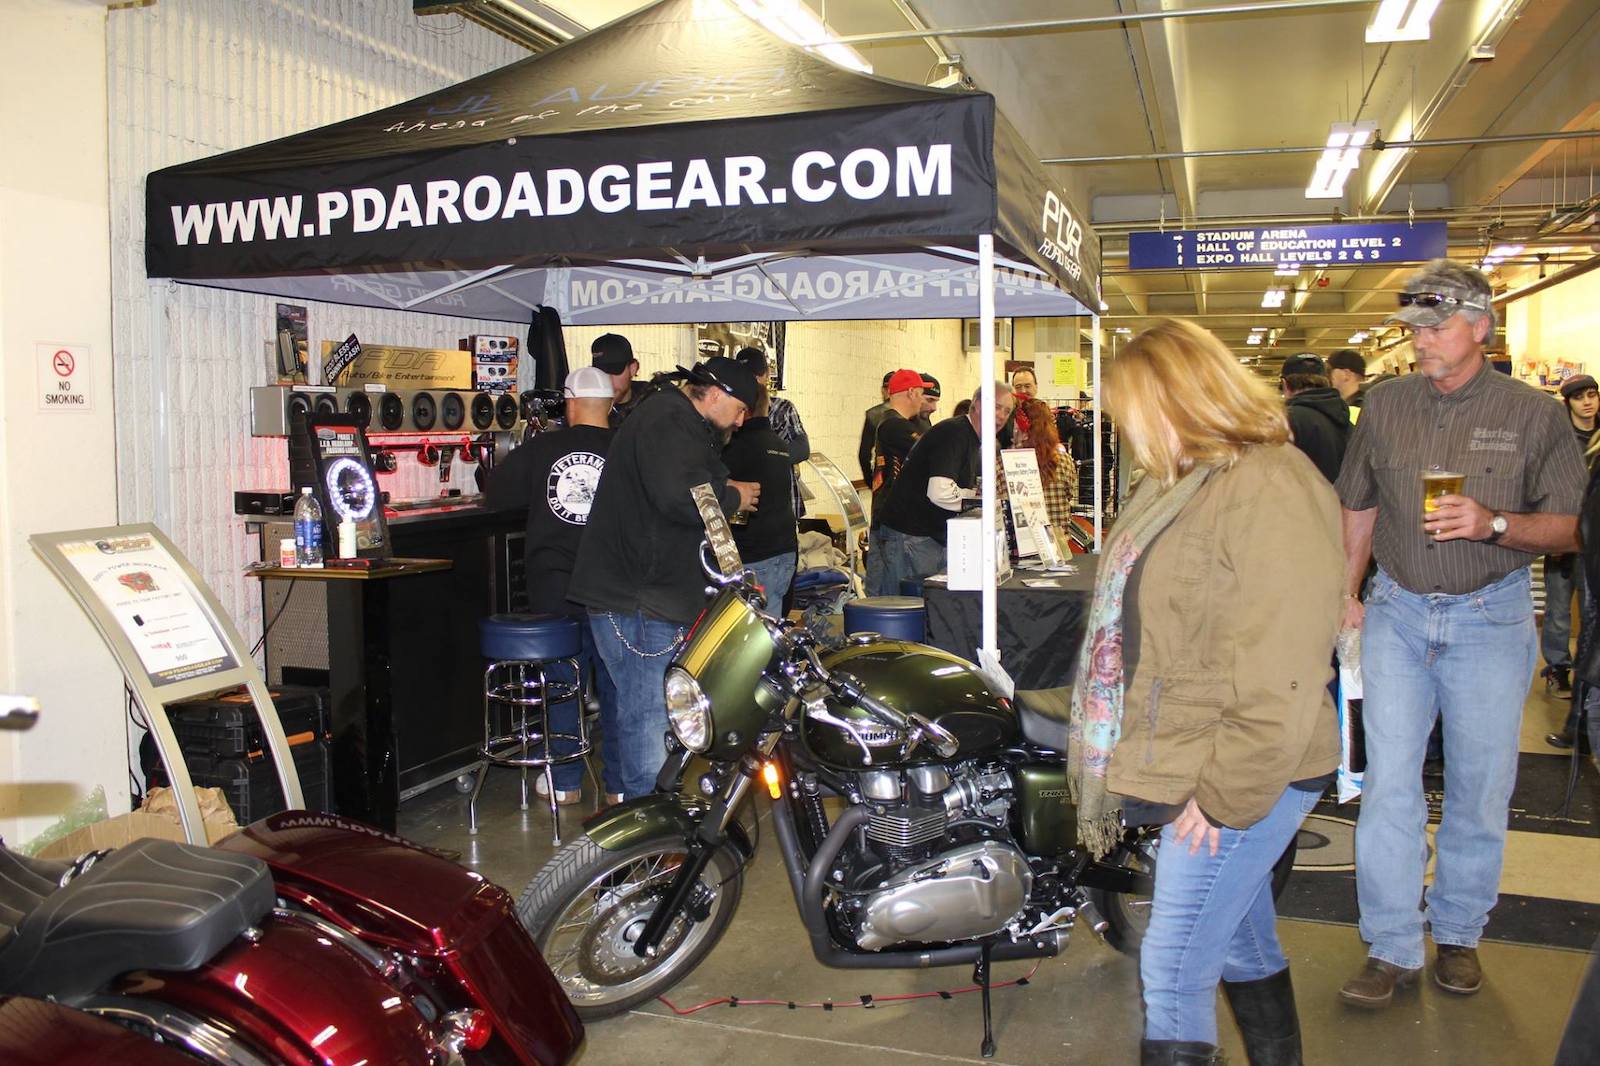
point(64, 379)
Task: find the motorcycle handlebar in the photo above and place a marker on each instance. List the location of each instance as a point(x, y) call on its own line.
point(916, 727)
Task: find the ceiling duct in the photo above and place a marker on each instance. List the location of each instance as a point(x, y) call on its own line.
point(535, 26)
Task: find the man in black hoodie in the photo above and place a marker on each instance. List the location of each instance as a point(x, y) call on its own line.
point(1319, 419)
point(638, 569)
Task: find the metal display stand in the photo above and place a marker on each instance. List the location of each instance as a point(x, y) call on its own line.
point(170, 638)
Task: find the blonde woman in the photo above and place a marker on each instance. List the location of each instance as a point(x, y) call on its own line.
point(1202, 701)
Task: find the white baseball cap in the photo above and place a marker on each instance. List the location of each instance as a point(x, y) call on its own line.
point(589, 383)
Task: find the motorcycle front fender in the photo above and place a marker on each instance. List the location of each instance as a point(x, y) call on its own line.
point(657, 816)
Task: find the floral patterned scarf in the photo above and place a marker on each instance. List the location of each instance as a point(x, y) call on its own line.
point(1097, 693)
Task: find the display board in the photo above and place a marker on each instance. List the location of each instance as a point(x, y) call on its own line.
point(142, 588)
point(1030, 518)
point(169, 636)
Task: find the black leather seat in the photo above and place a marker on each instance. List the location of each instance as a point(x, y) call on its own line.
point(151, 905)
point(1043, 715)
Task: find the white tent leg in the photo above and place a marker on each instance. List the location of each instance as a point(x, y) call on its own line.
point(1095, 398)
point(986, 465)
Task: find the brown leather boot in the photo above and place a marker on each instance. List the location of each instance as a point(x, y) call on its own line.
point(1456, 969)
point(1374, 986)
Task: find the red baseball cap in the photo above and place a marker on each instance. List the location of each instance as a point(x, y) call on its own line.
point(901, 380)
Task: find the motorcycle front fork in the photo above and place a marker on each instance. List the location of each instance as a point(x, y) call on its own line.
point(710, 835)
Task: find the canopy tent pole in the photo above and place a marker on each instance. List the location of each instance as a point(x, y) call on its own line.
point(1095, 398)
point(987, 453)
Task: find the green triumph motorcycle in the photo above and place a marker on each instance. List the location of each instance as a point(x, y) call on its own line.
point(923, 820)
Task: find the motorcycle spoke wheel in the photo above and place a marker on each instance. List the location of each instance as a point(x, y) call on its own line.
point(1127, 914)
point(588, 907)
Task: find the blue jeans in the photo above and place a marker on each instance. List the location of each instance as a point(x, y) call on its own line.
point(907, 558)
point(1563, 576)
point(564, 716)
point(636, 648)
point(775, 574)
point(1471, 659)
point(1212, 920)
point(875, 554)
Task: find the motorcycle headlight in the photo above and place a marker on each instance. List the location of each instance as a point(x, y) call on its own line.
point(688, 710)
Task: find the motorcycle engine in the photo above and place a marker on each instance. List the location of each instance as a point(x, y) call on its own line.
point(939, 863)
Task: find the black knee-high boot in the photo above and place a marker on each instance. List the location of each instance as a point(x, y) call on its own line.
point(1177, 1053)
point(1267, 1020)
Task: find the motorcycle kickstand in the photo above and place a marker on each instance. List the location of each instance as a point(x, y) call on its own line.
point(980, 977)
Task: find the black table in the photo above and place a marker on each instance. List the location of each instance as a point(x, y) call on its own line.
point(1038, 629)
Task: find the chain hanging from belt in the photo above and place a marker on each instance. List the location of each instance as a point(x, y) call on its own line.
point(669, 649)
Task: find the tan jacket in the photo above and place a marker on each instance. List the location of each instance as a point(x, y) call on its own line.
point(1238, 608)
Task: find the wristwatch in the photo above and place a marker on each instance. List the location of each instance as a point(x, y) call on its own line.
point(1497, 527)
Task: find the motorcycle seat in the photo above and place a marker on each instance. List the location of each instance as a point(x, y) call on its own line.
point(150, 905)
point(1043, 715)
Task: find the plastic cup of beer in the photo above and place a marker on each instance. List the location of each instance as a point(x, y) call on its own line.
point(1437, 483)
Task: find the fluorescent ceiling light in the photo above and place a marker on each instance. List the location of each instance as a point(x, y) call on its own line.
point(1254, 338)
point(1288, 270)
point(1499, 253)
point(1340, 159)
point(1274, 297)
point(1401, 20)
point(798, 24)
point(1357, 337)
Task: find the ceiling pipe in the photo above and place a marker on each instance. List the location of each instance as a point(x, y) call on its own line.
point(1006, 29)
point(1378, 145)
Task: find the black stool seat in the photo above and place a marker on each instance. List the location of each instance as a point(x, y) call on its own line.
point(150, 905)
point(900, 617)
point(529, 637)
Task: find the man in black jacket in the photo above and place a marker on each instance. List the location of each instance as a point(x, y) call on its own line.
point(1319, 419)
point(638, 569)
point(768, 542)
point(869, 429)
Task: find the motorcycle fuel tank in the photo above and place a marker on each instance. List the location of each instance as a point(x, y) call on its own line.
point(911, 677)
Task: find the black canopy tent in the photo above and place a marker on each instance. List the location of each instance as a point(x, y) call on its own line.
point(679, 164)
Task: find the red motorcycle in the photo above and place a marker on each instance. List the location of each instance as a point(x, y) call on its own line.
point(303, 938)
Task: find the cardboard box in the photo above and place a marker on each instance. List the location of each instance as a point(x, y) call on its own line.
point(157, 818)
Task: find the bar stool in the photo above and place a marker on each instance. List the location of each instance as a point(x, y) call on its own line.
point(896, 617)
point(518, 693)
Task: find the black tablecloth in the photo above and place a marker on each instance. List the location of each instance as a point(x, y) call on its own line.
point(1038, 629)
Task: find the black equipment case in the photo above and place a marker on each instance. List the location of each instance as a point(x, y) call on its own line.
point(222, 742)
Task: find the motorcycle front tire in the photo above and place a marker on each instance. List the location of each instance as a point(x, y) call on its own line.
point(1128, 915)
point(587, 907)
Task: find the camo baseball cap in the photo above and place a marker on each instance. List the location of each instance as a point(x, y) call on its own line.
point(1440, 289)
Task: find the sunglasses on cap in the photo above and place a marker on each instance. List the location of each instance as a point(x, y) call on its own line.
point(1433, 300)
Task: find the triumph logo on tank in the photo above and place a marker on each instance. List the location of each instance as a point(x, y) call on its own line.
point(904, 172)
point(571, 487)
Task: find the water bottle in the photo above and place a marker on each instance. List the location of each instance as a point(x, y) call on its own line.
point(307, 530)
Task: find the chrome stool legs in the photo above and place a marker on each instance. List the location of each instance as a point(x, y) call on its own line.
point(519, 694)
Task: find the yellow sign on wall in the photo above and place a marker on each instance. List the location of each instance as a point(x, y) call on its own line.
point(1071, 372)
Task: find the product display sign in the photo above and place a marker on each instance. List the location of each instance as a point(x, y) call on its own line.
point(345, 484)
point(726, 338)
point(1274, 246)
point(145, 590)
point(399, 368)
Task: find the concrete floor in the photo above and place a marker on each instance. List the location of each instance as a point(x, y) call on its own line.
point(1082, 1007)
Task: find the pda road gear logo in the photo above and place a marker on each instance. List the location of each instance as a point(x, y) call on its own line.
point(571, 486)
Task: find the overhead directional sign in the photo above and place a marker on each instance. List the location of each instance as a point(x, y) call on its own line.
point(1274, 246)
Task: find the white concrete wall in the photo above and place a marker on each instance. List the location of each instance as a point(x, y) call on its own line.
point(57, 468)
point(189, 79)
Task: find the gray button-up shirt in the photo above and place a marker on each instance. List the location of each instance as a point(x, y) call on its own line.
point(1511, 441)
